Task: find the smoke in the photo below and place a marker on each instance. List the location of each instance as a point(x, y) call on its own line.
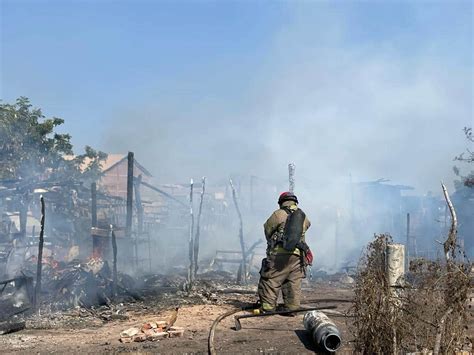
point(324, 102)
point(335, 104)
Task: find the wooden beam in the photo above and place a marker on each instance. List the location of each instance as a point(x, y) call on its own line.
point(129, 194)
point(171, 197)
point(198, 229)
point(191, 236)
point(241, 235)
point(114, 270)
point(40, 256)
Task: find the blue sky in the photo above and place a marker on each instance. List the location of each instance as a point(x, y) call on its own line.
point(223, 86)
point(82, 59)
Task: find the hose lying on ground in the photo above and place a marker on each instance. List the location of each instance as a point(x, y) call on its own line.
point(210, 339)
point(320, 300)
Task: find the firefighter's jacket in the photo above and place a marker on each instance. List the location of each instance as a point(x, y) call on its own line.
point(275, 226)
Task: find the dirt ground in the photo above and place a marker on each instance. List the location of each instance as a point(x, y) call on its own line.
point(83, 332)
point(80, 332)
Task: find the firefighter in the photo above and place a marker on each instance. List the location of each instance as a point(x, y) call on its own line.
point(287, 255)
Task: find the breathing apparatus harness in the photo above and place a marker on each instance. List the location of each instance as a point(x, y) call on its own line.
point(291, 236)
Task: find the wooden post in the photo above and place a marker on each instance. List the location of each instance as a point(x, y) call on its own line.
point(291, 177)
point(129, 194)
point(395, 270)
point(241, 236)
point(336, 242)
point(408, 244)
point(23, 215)
point(94, 204)
point(40, 256)
point(129, 215)
point(97, 248)
point(191, 231)
point(198, 229)
point(395, 264)
point(139, 206)
point(114, 251)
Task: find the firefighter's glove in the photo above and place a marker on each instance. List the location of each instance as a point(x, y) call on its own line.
point(309, 257)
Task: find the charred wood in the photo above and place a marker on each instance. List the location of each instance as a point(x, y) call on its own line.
point(243, 273)
point(198, 229)
point(114, 271)
point(191, 235)
point(164, 193)
point(11, 326)
point(40, 255)
point(129, 194)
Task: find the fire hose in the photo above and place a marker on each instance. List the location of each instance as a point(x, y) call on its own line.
point(210, 340)
point(238, 326)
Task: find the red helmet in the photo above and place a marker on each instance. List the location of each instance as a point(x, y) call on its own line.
point(287, 196)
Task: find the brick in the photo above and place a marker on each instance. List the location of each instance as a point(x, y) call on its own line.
point(176, 332)
point(139, 337)
point(146, 326)
point(130, 332)
point(157, 336)
point(161, 323)
point(148, 332)
point(126, 339)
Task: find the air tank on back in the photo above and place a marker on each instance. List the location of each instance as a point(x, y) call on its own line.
point(323, 331)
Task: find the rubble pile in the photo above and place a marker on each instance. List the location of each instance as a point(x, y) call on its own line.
point(153, 330)
point(82, 284)
point(15, 300)
point(206, 288)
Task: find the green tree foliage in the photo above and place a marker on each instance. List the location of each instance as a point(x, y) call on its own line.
point(32, 150)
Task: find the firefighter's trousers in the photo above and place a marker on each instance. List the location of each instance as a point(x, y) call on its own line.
point(281, 272)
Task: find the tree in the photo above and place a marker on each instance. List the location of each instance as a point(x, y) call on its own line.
point(31, 150)
point(465, 157)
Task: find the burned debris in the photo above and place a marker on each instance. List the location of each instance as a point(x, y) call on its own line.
point(94, 241)
point(90, 276)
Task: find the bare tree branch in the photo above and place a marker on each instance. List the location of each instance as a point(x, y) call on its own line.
point(440, 331)
point(450, 243)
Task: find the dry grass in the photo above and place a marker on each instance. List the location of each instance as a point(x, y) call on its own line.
point(428, 312)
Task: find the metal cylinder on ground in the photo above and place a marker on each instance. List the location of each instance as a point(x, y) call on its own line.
point(323, 331)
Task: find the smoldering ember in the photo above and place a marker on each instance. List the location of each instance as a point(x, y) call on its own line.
point(270, 177)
